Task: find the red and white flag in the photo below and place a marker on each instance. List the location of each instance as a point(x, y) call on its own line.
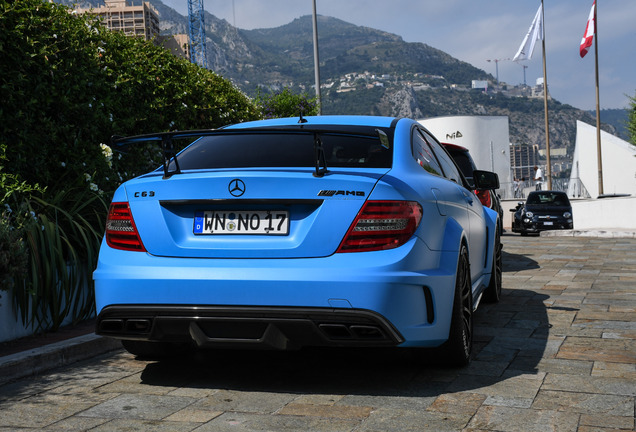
point(590, 30)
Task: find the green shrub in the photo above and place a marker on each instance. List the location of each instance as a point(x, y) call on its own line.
point(67, 85)
point(13, 252)
point(286, 104)
point(62, 232)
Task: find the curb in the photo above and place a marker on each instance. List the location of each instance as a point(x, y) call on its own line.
point(38, 360)
point(598, 232)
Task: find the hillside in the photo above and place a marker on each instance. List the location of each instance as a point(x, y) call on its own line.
point(368, 71)
point(619, 118)
point(372, 72)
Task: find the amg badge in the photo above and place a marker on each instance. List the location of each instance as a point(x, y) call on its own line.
point(329, 193)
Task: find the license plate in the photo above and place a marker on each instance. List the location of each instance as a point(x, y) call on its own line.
point(548, 223)
point(242, 222)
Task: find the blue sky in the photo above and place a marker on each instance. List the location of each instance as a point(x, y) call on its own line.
point(479, 30)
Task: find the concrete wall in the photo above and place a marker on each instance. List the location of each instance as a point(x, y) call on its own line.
point(593, 214)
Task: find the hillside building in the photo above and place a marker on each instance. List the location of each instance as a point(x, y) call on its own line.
point(523, 159)
point(177, 44)
point(134, 20)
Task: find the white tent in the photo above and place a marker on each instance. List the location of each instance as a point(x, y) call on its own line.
point(618, 164)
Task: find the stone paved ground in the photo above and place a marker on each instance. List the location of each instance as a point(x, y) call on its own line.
point(557, 354)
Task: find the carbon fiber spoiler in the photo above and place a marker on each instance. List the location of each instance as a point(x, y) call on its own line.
point(169, 153)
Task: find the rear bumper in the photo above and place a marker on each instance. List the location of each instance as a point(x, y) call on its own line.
point(398, 297)
point(247, 327)
point(535, 227)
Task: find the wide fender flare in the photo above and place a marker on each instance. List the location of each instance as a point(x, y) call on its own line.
point(454, 236)
point(492, 223)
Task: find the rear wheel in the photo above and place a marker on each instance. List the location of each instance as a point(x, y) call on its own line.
point(493, 291)
point(458, 349)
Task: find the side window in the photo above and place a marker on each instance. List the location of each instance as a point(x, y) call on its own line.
point(424, 155)
point(450, 169)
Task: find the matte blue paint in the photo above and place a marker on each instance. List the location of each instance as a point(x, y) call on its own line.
point(302, 269)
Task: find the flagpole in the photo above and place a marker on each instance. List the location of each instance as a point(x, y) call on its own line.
point(316, 60)
point(598, 108)
point(545, 105)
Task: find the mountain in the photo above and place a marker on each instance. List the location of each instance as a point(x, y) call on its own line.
point(619, 118)
point(368, 71)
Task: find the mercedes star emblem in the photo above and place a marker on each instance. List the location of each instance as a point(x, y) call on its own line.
point(236, 187)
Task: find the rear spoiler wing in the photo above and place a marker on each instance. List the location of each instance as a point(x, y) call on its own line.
point(167, 145)
point(170, 154)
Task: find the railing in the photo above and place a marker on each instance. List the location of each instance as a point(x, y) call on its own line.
point(520, 190)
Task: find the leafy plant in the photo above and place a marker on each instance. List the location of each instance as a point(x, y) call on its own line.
point(287, 104)
point(631, 123)
point(13, 253)
point(68, 84)
point(63, 235)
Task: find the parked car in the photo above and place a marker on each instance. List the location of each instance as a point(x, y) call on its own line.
point(543, 210)
point(332, 231)
point(463, 159)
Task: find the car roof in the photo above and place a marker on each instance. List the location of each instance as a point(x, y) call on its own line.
point(344, 120)
point(455, 147)
point(547, 192)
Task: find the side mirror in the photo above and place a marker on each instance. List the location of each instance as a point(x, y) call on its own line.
point(485, 180)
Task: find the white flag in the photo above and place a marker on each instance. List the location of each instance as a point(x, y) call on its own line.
point(535, 32)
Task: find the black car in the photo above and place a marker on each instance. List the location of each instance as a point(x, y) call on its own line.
point(542, 211)
point(464, 161)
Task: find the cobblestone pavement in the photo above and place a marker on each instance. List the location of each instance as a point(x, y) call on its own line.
point(558, 353)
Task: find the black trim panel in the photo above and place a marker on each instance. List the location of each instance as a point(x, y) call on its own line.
point(234, 201)
point(247, 327)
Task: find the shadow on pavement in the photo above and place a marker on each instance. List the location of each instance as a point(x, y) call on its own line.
point(516, 262)
point(510, 338)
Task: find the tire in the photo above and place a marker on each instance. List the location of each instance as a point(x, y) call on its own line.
point(458, 349)
point(152, 350)
point(492, 294)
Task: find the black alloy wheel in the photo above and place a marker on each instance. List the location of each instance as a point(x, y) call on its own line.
point(492, 294)
point(458, 349)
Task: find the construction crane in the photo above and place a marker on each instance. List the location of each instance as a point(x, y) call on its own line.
point(497, 66)
point(196, 33)
point(524, 74)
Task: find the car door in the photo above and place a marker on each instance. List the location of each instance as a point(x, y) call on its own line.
point(473, 218)
point(451, 202)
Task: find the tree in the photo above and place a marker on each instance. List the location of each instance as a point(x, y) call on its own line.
point(67, 84)
point(286, 104)
point(631, 123)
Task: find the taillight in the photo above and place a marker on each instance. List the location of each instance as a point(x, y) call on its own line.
point(382, 225)
point(484, 197)
point(121, 232)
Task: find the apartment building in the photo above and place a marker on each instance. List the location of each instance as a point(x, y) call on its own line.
point(523, 159)
point(140, 20)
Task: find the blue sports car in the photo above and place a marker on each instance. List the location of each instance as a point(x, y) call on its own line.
point(336, 231)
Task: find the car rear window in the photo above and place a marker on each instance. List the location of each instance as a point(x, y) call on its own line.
point(558, 199)
point(464, 162)
point(283, 149)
